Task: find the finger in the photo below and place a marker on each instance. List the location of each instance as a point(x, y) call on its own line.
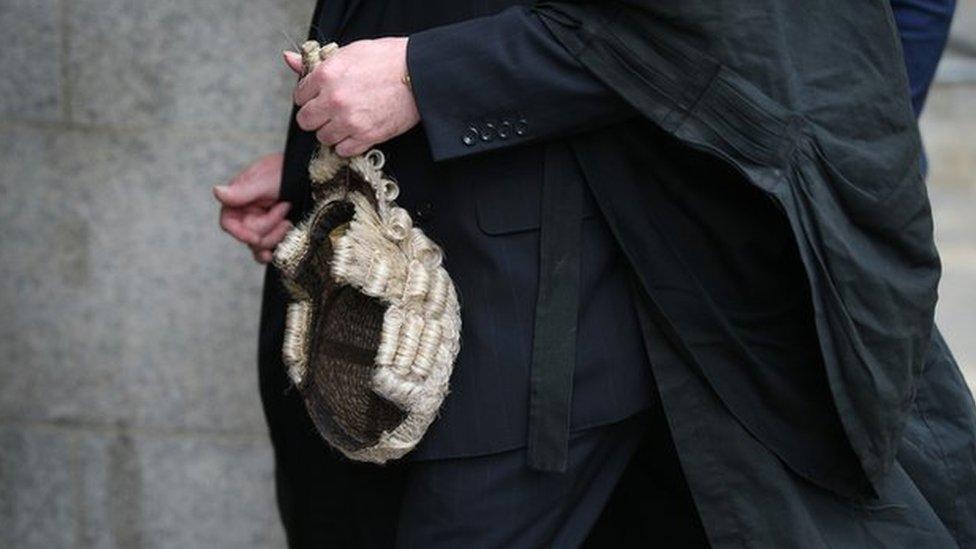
point(231, 222)
point(263, 256)
point(294, 62)
point(245, 193)
point(272, 239)
point(311, 85)
point(312, 116)
point(264, 221)
point(351, 146)
point(331, 133)
point(259, 183)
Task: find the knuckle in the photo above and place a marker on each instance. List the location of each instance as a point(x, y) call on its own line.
point(334, 101)
point(321, 75)
point(372, 135)
point(356, 128)
point(365, 131)
point(306, 118)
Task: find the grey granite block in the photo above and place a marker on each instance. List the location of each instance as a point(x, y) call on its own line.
point(964, 25)
point(126, 302)
point(947, 125)
point(30, 60)
point(214, 64)
point(162, 492)
point(37, 492)
point(955, 221)
point(956, 68)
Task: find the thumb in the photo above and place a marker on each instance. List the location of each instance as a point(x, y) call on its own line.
point(223, 194)
point(294, 62)
point(240, 194)
point(259, 183)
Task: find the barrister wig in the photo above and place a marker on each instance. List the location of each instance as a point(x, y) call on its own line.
point(373, 326)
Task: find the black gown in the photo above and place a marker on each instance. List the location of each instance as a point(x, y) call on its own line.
point(765, 266)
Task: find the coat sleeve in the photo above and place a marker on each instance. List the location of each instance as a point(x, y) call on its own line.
point(502, 80)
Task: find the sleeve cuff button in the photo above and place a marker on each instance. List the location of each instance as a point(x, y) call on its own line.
point(470, 137)
point(488, 133)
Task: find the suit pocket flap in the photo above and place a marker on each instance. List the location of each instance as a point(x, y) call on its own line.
point(509, 191)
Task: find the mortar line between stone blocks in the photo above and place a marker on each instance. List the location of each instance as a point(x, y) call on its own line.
point(166, 131)
point(78, 487)
point(962, 46)
point(73, 426)
point(66, 111)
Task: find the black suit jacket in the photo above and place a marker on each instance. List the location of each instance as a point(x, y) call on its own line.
point(494, 88)
point(494, 93)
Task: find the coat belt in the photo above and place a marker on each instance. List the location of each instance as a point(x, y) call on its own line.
point(557, 307)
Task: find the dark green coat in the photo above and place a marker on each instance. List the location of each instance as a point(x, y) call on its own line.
point(783, 239)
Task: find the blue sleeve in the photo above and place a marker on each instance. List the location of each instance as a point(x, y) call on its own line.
point(502, 80)
point(924, 29)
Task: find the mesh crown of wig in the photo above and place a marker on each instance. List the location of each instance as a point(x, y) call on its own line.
point(373, 326)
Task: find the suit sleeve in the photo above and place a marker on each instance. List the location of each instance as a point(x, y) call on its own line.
point(502, 80)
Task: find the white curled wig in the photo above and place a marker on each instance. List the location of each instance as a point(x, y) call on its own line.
point(373, 326)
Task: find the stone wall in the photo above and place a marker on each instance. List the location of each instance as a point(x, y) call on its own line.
point(964, 26)
point(129, 410)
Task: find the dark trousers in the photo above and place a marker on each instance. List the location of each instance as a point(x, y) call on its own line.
point(624, 488)
point(651, 504)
